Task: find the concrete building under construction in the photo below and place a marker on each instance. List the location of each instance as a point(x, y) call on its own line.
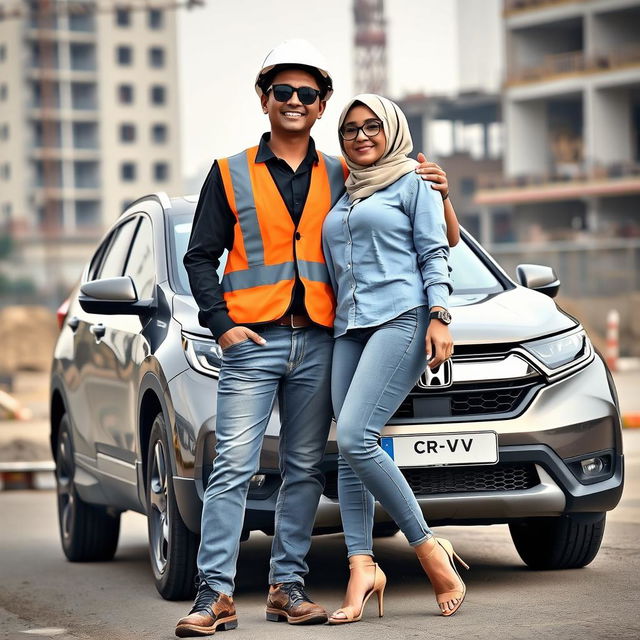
point(571, 111)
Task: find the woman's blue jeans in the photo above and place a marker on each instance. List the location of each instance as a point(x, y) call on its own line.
point(373, 371)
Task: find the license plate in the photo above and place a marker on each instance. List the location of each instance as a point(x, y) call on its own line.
point(438, 449)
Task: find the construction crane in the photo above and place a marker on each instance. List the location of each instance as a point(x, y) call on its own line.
point(43, 14)
point(370, 46)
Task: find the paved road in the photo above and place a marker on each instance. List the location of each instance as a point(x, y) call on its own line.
point(117, 601)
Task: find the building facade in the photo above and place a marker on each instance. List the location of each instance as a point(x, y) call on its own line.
point(89, 121)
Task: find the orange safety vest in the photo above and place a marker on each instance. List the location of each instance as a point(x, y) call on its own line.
point(261, 267)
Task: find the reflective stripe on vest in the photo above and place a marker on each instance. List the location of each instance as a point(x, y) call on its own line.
point(245, 207)
point(260, 272)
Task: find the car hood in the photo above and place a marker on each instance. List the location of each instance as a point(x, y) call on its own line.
point(515, 315)
point(185, 311)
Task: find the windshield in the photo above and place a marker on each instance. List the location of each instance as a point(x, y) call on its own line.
point(470, 274)
point(180, 241)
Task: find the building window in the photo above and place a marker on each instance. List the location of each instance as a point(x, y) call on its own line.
point(4, 132)
point(128, 171)
point(6, 211)
point(156, 57)
point(3, 52)
point(127, 132)
point(4, 92)
point(156, 19)
point(125, 55)
point(6, 171)
point(160, 171)
point(159, 133)
point(123, 17)
point(125, 204)
point(467, 186)
point(125, 93)
point(87, 213)
point(158, 94)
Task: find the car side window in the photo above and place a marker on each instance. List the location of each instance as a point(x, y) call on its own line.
point(96, 260)
point(141, 263)
point(118, 250)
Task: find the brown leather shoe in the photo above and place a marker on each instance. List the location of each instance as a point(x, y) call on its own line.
point(288, 602)
point(211, 612)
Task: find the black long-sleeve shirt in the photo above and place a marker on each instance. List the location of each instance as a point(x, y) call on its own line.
point(213, 232)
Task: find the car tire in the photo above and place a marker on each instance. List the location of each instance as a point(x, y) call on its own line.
point(385, 529)
point(88, 532)
point(172, 546)
point(564, 542)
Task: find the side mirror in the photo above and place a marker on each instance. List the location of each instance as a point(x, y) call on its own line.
point(112, 296)
point(539, 278)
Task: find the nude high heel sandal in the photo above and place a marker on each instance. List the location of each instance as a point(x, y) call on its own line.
point(440, 581)
point(379, 583)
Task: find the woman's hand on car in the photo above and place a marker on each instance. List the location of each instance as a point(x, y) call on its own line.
point(438, 343)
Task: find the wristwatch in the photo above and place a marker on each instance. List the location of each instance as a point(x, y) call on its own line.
point(443, 315)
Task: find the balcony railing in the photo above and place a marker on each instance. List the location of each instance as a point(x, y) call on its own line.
point(623, 57)
point(578, 174)
point(575, 63)
point(516, 6)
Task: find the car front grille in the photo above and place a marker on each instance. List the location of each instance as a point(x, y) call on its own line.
point(428, 481)
point(466, 400)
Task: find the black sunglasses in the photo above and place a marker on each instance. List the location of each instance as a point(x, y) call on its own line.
point(283, 93)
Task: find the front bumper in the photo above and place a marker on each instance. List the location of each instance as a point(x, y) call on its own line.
point(557, 492)
point(573, 417)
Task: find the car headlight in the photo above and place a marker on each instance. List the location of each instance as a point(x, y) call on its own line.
point(203, 355)
point(559, 350)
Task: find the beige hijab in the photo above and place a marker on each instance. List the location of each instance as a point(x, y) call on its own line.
point(394, 163)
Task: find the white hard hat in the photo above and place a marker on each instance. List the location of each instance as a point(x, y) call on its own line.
point(295, 52)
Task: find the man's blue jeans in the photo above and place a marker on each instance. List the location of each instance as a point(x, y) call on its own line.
point(293, 366)
point(373, 371)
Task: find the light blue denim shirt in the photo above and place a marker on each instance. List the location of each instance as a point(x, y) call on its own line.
point(387, 253)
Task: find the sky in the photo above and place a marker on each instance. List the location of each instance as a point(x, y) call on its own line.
point(221, 48)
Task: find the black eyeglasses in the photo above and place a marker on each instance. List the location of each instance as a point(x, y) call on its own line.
point(283, 93)
point(370, 129)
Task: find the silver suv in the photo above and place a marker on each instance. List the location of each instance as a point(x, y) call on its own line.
point(522, 427)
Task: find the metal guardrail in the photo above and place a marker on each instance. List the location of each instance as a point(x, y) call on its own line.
point(27, 475)
point(586, 267)
point(39, 465)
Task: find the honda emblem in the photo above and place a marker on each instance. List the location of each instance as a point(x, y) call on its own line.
point(439, 378)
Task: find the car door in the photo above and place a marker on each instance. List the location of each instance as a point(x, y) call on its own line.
point(87, 358)
point(115, 348)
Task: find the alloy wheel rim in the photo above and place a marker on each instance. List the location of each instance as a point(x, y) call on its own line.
point(159, 512)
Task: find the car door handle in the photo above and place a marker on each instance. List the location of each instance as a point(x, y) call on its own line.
point(98, 330)
point(73, 323)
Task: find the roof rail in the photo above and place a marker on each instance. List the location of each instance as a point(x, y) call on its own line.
point(159, 196)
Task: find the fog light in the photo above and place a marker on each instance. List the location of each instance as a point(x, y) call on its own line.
point(592, 466)
point(257, 481)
